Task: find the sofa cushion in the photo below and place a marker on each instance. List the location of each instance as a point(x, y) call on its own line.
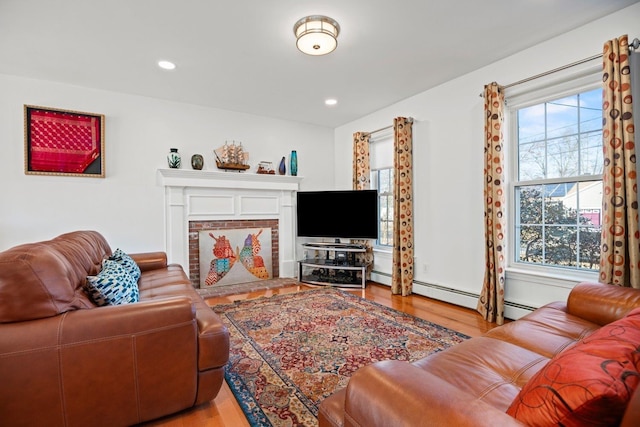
point(589, 383)
point(127, 262)
point(112, 286)
point(546, 331)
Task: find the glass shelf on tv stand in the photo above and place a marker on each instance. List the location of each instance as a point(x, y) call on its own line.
point(338, 267)
point(340, 247)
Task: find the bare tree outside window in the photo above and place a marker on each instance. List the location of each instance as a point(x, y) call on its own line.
point(558, 192)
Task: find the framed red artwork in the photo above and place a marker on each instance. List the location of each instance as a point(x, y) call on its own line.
point(63, 142)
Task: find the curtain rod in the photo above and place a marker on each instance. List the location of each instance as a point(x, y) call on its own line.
point(635, 44)
point(410, 119)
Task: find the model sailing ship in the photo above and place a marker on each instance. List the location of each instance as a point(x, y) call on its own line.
point(231, 157)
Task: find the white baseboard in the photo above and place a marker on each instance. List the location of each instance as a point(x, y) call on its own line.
point(453, 296)
point(382, 278)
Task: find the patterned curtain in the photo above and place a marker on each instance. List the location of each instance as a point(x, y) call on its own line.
point(362, 181)
point(402, 267)
point(491, 301)
point(361, 161)
point(620, 250)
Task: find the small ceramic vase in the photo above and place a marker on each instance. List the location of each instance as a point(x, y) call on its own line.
point(173, 158)
point(197, 161)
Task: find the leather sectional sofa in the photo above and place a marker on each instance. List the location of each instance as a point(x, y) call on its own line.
point(66, 362)
point(573, 364)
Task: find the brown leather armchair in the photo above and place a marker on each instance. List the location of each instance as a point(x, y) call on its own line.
point(64, 361)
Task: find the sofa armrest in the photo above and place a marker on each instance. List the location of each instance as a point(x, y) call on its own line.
point(126, 364)
point(138, 318)
point(395, 393)
point(97, 324)
point(150, 260)
point(600, 303)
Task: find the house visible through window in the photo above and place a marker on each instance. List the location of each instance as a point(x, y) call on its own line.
point(558, 182)
point(382, 180)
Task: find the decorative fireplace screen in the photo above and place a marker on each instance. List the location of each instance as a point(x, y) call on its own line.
point(232, 251)
point(234, 256)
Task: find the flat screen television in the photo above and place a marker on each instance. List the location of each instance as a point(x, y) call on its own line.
point(349, 214)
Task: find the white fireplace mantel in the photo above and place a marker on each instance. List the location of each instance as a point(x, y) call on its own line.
point(216, 179)
point(213, 195)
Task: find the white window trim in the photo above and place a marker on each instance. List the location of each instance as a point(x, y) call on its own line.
point(582, 78)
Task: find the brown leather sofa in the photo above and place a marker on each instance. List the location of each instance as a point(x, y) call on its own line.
point(66, 362)
point(475, 382)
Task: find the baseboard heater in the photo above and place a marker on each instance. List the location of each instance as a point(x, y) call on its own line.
point(462, 298)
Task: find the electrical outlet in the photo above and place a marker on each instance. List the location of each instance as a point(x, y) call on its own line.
point(425, 268)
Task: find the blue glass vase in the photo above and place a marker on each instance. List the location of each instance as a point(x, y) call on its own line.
point(282, 169)
point(294, 163)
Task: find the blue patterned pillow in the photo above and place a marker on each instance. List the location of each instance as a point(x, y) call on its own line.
point(112, 286)
point(127, 262)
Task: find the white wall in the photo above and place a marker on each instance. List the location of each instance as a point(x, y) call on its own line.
point(448, 131)
point(127, 205)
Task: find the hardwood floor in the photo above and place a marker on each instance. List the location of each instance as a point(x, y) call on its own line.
point(224, 410)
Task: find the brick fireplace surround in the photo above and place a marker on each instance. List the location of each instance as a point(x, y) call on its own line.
point(225, 200)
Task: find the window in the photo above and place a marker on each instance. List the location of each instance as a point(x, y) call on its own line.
point(558, 182)
point(382, 180)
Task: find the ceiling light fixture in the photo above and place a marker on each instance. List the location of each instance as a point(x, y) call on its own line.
point(316, 34)
point(167, 65)
point(330, 101)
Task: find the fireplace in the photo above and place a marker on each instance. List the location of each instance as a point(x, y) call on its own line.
point(225, 200)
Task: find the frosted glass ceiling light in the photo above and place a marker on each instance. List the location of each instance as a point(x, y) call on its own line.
point(316, 34)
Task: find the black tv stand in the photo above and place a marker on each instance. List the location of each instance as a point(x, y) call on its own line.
point(337, 268)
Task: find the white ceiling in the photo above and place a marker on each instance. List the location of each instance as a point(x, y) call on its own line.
point(240, 55)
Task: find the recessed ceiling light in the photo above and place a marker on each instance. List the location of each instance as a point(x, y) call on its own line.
point(330, 101)
point(167, 65)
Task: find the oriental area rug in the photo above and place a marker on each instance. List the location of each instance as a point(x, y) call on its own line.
point(289, 352)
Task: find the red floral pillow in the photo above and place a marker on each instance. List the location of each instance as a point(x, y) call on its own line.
point(588, 384)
